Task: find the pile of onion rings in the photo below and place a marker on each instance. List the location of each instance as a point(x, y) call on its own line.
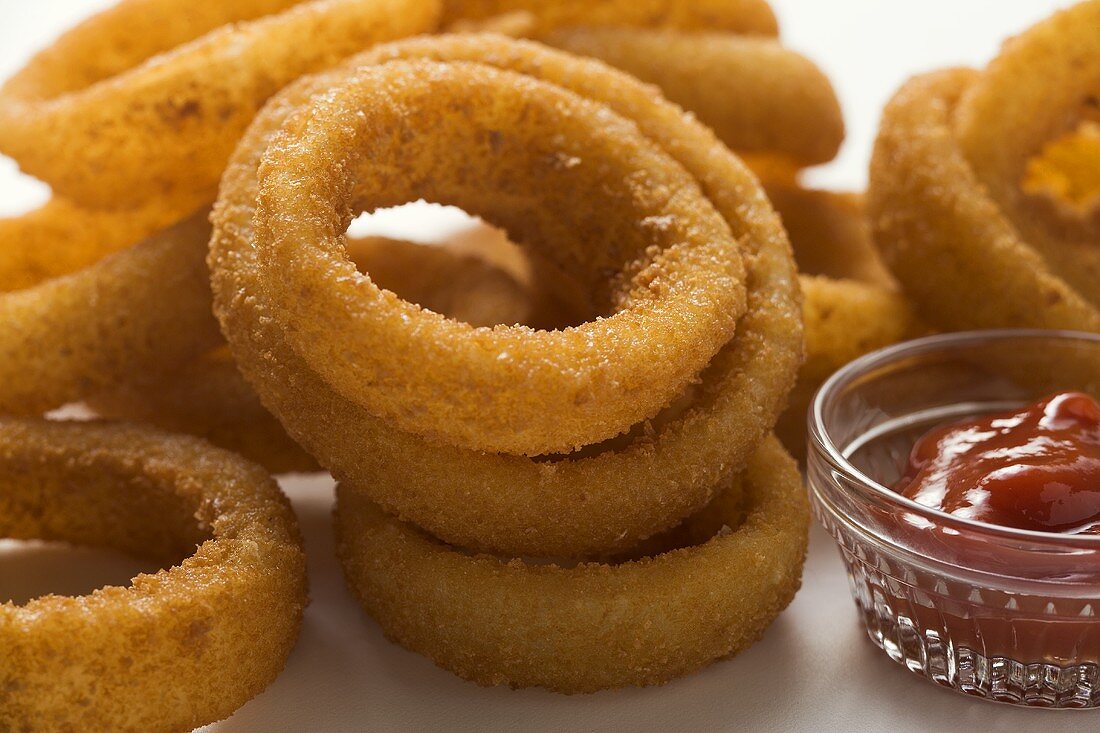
point(973, 240)
point(606, 414)
point(215, 628)
point(491, 105)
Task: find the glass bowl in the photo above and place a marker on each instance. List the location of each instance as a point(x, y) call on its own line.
point(1003, 614)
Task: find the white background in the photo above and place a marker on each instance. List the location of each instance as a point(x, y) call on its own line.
point(813, 671)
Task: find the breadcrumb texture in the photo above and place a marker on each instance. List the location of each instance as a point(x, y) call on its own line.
point(176, 649)
point(594, 625)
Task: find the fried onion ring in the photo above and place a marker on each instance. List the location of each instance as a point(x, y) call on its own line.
point(592, 626)
point(215, 629)
point(661, 264)
point(157, 92)
point(1041, 85)
point(141, 310)
point(945, 197)
point(606, 498)
point(757, 96)
point(60, 238)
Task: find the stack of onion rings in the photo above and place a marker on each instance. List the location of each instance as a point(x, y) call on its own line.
point(950, 214)
point(216, 628)
point(636, 427)
point(603, 498)
point(500, 99)
point(595, 625)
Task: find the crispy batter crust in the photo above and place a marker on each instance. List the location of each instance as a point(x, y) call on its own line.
point(176, 649)
point(60, 238)
point(591, 626)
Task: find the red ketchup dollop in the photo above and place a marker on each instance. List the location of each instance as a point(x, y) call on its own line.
point(1037, 468)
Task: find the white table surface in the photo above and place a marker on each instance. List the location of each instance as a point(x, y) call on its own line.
point(813, 671)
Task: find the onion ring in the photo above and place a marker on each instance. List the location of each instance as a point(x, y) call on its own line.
point(736, 16)
point(208, 397)
point(757, 96)
point(61, 238)
point(660, 263)
point(145, 309)
point(593, 626)
point(945, 195)
point(162, 110)
point(1042, 83)
point(566, 506)
point(215, 629)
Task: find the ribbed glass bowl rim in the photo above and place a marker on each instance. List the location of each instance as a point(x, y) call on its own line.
point(821, 441)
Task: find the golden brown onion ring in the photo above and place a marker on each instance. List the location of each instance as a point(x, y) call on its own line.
point(60, 238)
point(737, 16)
point(633, 230)
point(966, 261)
point(145, 101)
point(1039, 88)
point(141, 310)
point(216, 628)
point(209, 398)
point(592, 626)
point(605, 499)
point(757, 96)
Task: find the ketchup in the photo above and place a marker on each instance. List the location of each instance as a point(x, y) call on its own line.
point(1037, 468)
